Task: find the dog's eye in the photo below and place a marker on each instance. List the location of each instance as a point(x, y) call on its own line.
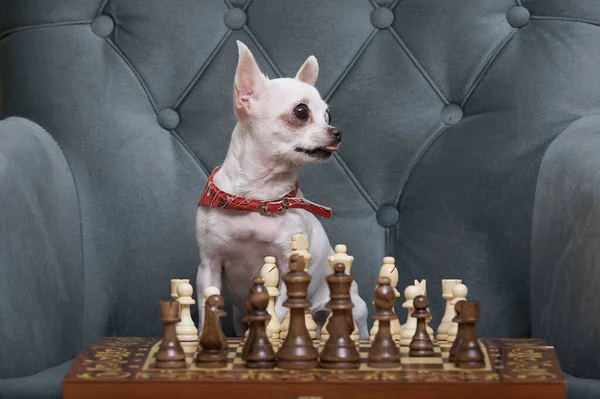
point(327, 117)
point(301, 112)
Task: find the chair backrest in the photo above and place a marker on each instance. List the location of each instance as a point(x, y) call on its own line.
point(447, 108)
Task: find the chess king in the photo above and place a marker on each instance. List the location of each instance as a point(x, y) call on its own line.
point(252, 206)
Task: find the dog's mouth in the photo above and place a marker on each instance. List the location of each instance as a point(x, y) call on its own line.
point(319, 152)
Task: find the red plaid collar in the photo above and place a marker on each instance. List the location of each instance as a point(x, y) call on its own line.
point(214, 197)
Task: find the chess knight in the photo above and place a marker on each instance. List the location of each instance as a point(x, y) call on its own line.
point(252, 205)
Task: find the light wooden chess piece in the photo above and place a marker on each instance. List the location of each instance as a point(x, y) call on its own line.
point(423, 286)
point(340, 256)
point(208, 292)
point(174, 284)
point(459, 293)
point(442, 331)
point(389, 270)
point(299, 245)
point(410, 327)
point(186, 329)
point(270, 274)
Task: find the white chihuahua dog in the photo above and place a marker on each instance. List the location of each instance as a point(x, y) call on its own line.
point(244, 214)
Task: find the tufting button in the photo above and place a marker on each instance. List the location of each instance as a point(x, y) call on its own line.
point(382, 17)
point(235, 18)
point(451, 114)
point(387, 215)
point(168, 118)
point(103, 25)
point(518, 16)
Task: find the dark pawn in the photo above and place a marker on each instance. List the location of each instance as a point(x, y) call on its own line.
point(469, 354)
point(340, 351)
point(459, 333)
point(297, 350)
point(212, 352)
point(421, 345)
point(384, 353)
point(260, 352)
point(170, 354)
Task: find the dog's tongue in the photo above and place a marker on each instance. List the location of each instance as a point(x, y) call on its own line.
point(330, 148)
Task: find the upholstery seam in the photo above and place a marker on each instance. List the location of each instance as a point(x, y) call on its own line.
point(246, 5)
point(194, 157)
point(413, 165)
point(202, 69)
point(486, 66)
point(46, 25)
point(394, 4)
point(418, 65)
point(262, 51)
point(135, 72)
point(353, 62)
point(152, 103)
point(228, 4)
point(519, 3)
point(565, 19)
point(374, 4)
point(102, 7)
point(355, 181)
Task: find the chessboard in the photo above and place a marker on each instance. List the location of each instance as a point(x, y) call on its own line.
point(124, 368)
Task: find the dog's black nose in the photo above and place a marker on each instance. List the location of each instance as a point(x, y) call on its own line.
point(335, 132)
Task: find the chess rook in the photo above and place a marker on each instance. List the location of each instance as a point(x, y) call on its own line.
point(212, 350)
point(468, 353)
point(297, 350)
point(442, 331)
point(170, 355)
point(383, 352)
point(421, 345)
point(260, 353)
point(340, 350)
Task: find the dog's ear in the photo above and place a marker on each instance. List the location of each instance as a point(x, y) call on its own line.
point(249, 81)
point(309, 71)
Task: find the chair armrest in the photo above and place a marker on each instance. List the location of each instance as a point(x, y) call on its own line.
point(565, 248)
point(41, 278)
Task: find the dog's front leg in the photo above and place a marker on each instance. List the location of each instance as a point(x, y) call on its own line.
point(209, 274)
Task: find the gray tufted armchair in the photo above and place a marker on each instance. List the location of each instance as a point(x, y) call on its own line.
point(471, 150)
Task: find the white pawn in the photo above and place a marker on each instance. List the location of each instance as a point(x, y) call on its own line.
point(410, 327)
point(442, 330)
point(459, 293)
point(340, 256)
point(208, 292)
point(186, 329)
point(423, 286)
point(389, 270)
point(270, 274)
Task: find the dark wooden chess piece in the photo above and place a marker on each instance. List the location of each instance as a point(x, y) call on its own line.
point(421, 345)
point(260, 353)
point(340, 351)
point(212, 351)
point(170, 354)
point(383, 352)
point(469, 354)
point(459, 333)
point(250, 334)
point(297, 350)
